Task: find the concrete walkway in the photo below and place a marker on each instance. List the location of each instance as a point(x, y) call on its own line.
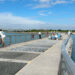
point(45, 64)
point(15, 57)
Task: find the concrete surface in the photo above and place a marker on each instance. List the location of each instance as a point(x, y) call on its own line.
point(12, 62)
point(34, 43)
point(18, 55)
point(37, 54)
point(69, 46)
point(45, 64)
point(10, 68)
point(38, 46)
point(15, 57)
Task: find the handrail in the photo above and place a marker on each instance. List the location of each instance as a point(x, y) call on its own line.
point(23, 38)
point(15, 36)
point(67, 61)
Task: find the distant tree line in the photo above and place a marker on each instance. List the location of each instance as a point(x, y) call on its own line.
point(34, 30)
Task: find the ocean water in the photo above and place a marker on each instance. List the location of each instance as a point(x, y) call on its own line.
point(12, 38)
point(73, 48)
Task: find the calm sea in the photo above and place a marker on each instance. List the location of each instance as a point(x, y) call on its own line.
point(73, 48)
point(11, 38)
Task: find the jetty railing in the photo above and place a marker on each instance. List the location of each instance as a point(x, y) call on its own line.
point(67, 65)
point(13, 39)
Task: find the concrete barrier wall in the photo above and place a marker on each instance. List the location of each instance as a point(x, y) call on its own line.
point(67, 66)
point(69, 46)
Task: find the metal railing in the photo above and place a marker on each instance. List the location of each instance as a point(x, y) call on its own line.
point(67, 66)
point(15, 38)
point(22, 38)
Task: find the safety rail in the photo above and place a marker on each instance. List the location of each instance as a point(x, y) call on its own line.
point(22, 38)
point(67, 65)
point(15, 38)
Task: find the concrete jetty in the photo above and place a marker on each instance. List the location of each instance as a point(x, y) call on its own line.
point(45, 64)
point(38, 57)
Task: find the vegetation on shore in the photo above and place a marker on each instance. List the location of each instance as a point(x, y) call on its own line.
point(38, 30)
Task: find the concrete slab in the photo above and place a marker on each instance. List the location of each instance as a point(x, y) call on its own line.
point(45, 64)
point(18, 55)
point(10, 68)
point(30, 48)
point(39, 46)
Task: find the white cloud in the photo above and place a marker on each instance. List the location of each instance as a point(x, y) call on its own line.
point(16, 20)
point(8, 20)
point(59, 2)
point(45, 13)
point(44, 0)
point(41, 6)
point(49, 3)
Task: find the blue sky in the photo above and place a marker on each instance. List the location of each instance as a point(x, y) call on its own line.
point(37, 14)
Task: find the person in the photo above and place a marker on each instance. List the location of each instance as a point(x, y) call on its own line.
point(58, 36)
point(69, 33)
point(39, 35)
point(49, 37)
point(2, 36)
point(32, 36)
point(47, 34)
point(53, 36)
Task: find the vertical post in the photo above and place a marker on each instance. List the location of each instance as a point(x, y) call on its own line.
point(47, 34)
point(15, 39)
point(32, 36)
point(21, 38)
point(28, 36)
point(24, 38)
point(10, 39)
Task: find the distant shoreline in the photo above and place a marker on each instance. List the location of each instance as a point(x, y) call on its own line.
point(34, 31)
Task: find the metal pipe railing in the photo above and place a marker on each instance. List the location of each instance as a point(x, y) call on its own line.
point(67, 64)
point(22, 38)
point(15, 38)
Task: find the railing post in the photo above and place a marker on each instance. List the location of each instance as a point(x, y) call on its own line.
point(24, 38)
point(20, 38)
point(10, 41)
point(15, 39)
